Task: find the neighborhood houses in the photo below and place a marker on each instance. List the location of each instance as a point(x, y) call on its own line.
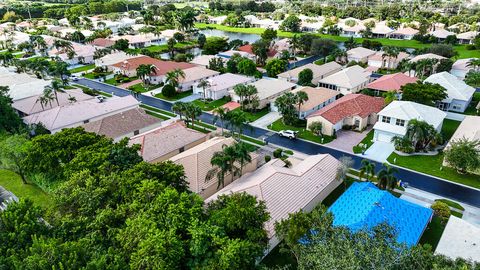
point(239, 134)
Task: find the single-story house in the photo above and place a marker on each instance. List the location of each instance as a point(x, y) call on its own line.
point(461, 67)
point(110, 59)
point(467, 37)
point(221, 85)
point(347, 81)
point(30, 105)
point(268, 91)
point(360, 54)
point(228, 54)
point(124, 124)
point(21, 85)
point(167, 141)
point(141, 40)
point(403, 33)
point(393, 119)
point(129, 67)
point(193, 76)
point(248, 48)
point(14, 38)
point(381, 61)
point(381, 30)
point(83, 54)
point(196, 164)
point(355, 110)
point(217, 20)
point(287, 190)
point(80, 113)
point(426, 56)
point(351, 27)
point(319, 72)
point(317, 99)
point(391, 82)
point(459, 93)
point(102, 42)
point(204, 60)
point(441, 34)
point(460, 239)
point(364, 205)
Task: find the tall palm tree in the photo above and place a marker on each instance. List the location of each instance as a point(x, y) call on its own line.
point(475, 63)
point(241, 91)
point(143, 71)
point(192, 112)
point(48, 96)
point(294, 44)
point(242, 154)
point(236, 122)
point(421, 134)
point(173, 77)
point(220, 113)
point(367, 169)
point(223, 163)
point(54, 88)
point(386, 177)
point(204, 84)
point(301, 98)
point(179, 108)
point(64, 46)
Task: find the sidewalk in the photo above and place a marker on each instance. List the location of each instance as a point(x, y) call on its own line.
point(127, 85)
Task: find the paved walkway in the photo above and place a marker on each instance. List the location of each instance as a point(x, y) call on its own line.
point(455, 116)
point(128, 84)
point(266, 120)
point(191, 98)
point(347, 139)
point(379, 151)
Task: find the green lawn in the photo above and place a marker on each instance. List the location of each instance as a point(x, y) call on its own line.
point(449, 127)
point(111, 81)
point(303, 133)
point(12, 182)
point(178, 96)
point(139, 88)
point(366, 141)
point(461, 49)
point(83, 68)
point(433, 233)
point(150, 108)
point(250, 139)
point(157, 115)
point(253, 116)
point(451, 204)
point(210, 105)
point(164, 48)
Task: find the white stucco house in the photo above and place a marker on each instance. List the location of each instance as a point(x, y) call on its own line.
point(347, 81)
point(393, 119)
point(459, 93)
point(221, 84)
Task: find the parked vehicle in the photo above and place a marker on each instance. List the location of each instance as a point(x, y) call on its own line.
point(288, 134)
point(74, 78)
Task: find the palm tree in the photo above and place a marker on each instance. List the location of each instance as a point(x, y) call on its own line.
point(220, 113)
point(301, 98)
point(242, 154)
point(367, 169)
point(204, 84)
point(342, 170)
point(192, 111)
point(143, 71)
point(236, 122)
point(294, 44)
point(241, 91)
point(350, 44)
point(54, 88)
point(386, 178)
point(474, 62)
point(173, 77)
point(47, 96)
point(179, 108)
point(421, 134)
point(6, 58)
point(223, 162)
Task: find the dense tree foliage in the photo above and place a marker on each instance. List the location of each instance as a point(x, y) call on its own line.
point(9, 121)
point(423, 93)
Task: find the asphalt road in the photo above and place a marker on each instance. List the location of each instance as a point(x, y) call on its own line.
point(417, 180)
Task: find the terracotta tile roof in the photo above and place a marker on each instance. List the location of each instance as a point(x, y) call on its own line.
point(391, 82)
point(102, 42)
point(350, 105)
point(162, 66)
point(249, 49)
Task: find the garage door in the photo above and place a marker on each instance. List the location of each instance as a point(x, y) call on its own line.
point(382, 137)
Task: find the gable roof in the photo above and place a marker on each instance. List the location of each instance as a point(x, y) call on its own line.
point(350, 77)
point(350, 105)
point(120, 124)
point(196, 73)
point(163, 140)
point(316, 96)
point(317, 70)
point(426, 56)
point(103, 42)
point(468, 129)
point(162, 66)
point(456, 88)
point(286, 190)
point(408, 110)
point(270, 87)
point(363, 205)
point(226, 81)
point(78, 112)
point(391, 82)
point(441, 33)
point(360, 52)
point(248, 48)
point(460, 239)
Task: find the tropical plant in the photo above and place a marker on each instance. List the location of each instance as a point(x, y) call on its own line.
point(236, 121)
point(367, 170)
point(223, 162)
point(474, 63)
point(179, 108)
point(173, 77)
point(144, 71)
point(386, 177)
point(204, 84)
point(221, 114)
point(301, 97)
point(286, 106)
point(463, 155)
point(316, 127)
point(422, 134)
point(343, 168)
point(53, 88)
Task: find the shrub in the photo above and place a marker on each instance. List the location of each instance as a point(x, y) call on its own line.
point(168, 91)
point(277, 153)
point(441, 210)
point(268, 158)
point(470, 47)
point(89, 91)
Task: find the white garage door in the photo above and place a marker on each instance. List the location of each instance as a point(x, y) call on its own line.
point(382, 137)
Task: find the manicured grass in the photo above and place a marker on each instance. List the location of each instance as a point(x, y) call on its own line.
point(303, 133)
point(461, 49)
point(150, 108)
point(83, 68)
point(12, 182)
point(111, 81)
point(449, 127)
point(205, 125)
point(210, 105)
point(451, 204)
point(91, 75)
point(332, 197)
point(178, 96)
point(366, 141)
point(253, 116)
point(157, 115)
point(139, 88)
point(253, 140)
point(433, 233)
point(432, 165)
point(164, 48)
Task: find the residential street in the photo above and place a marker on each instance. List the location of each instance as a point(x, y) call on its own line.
point(417, 180)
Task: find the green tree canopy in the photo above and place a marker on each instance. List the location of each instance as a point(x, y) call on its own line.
point(423, 93)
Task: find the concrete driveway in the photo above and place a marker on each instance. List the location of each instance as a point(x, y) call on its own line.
point(347, 139)
point(379, 151)
point(266, 120)
point(191, 98)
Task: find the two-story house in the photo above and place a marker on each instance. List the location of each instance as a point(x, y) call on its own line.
point(393, 119)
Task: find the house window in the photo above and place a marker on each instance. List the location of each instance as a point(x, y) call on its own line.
point(386, 119)
point(86, 121)
point(182, 149)
point(136, 132)
point(400, 122)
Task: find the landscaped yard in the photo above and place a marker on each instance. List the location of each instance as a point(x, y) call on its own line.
point(303, 133)
point(449, 127)
point(253, 116)
point(164, 48)
point(82, 68)
point(210, 105)
point(433, 233)
point(139, 88)
point(178, 96)
point(92, 75)
point(150, 108)
point(366, 141)
point(12, 182)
